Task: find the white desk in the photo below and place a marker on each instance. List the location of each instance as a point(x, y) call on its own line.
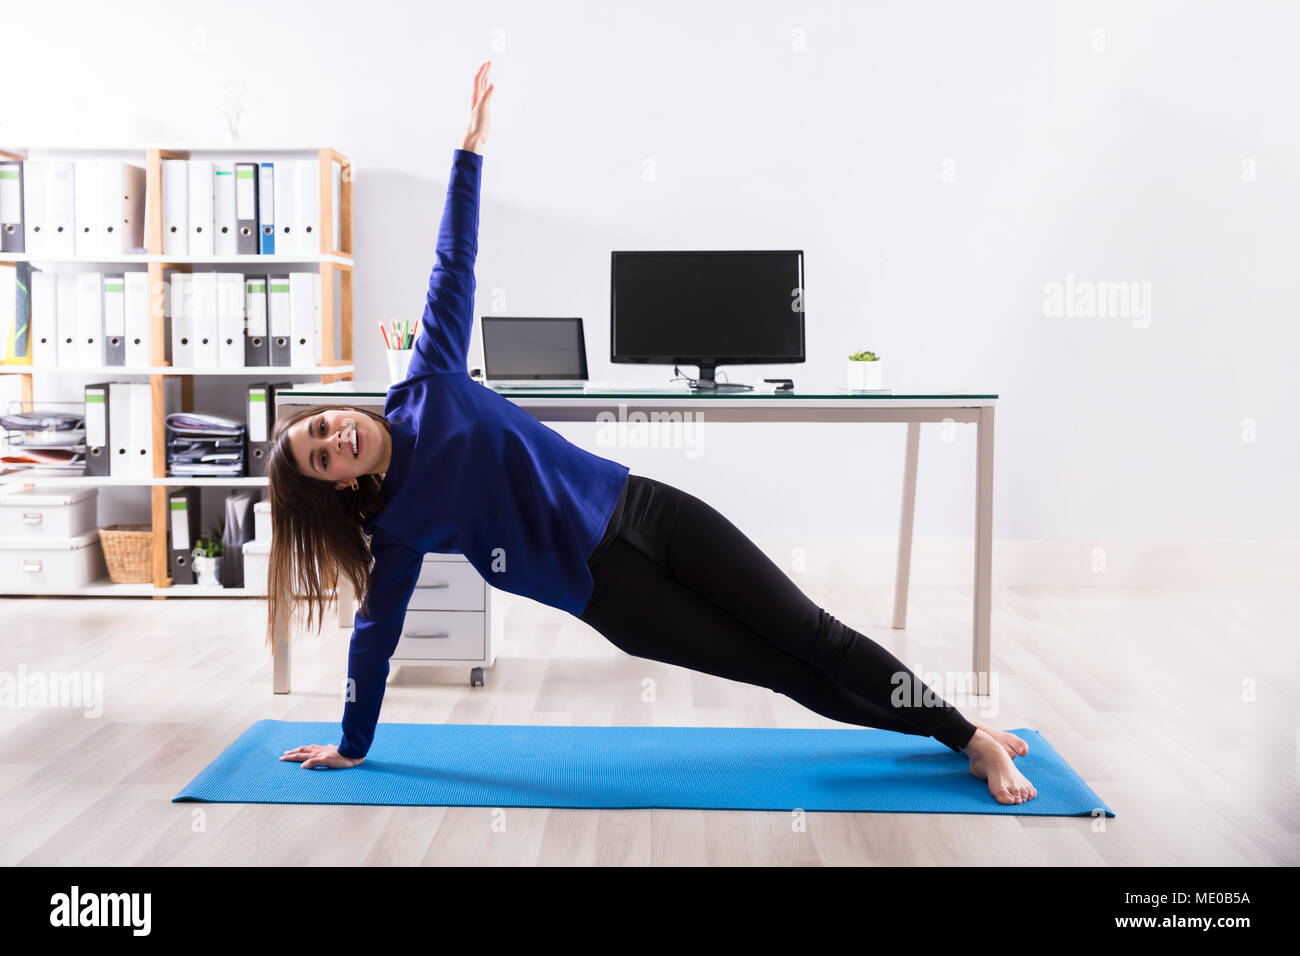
point(809, 405)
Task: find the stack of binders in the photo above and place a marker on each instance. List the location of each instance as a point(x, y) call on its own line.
point(223, 209)
point(62, 208)
point(205, 445)
point(232, 320)
point(119, 426)
point(213, 319)
point(78, 320)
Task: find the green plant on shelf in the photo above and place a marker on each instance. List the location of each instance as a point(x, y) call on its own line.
point(864, 357)
point(210, 547)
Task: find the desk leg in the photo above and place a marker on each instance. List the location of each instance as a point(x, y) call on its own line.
point(983, 548)
point(904, 570)
point(347, 602)
point(280, 655)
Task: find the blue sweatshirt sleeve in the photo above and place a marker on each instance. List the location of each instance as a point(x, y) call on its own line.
point(375, 637)
point(443, 342)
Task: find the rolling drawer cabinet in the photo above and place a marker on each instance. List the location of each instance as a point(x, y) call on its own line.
point(446, 585)
point(449, 621)
point(442, 637)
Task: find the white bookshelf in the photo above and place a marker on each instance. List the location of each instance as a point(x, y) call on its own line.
point(338, 356)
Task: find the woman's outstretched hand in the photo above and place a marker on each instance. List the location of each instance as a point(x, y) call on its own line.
point(320, 755)
point(477, 133)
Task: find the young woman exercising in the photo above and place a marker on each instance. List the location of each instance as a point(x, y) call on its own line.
point(453, 467)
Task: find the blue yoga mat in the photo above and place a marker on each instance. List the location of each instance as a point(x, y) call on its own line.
point(712, 768)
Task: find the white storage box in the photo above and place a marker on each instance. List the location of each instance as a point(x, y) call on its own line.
point(51, 562)
point(35, 513)
point(262, 521)
point(256, 555)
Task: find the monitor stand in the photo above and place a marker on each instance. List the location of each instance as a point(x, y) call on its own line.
point(707, 383)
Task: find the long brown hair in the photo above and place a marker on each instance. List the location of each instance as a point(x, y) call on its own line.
point(317, 531)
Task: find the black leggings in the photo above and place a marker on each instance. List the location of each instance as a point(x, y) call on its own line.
point(675, 581)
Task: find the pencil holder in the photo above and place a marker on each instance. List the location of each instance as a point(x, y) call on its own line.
point(399, 360)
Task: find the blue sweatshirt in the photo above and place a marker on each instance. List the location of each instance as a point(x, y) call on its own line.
point(471, 473)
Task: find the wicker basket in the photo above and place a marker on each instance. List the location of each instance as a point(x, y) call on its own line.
point(128, 552)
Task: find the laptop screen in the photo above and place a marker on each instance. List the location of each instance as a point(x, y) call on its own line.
point(533, 348)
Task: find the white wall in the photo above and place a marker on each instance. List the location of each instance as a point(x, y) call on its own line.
point(939, 163)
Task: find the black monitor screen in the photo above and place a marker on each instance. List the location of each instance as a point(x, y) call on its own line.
point(720, 307)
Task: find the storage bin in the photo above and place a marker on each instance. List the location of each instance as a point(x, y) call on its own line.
point(262, 521)
point(256, 555)
point(51, 562)
point(33, 513)
point(128, 552)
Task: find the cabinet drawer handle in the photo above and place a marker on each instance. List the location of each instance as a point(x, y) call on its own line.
point(32, 564)
point(431, 634)
point(31, 517)
point(440, 584)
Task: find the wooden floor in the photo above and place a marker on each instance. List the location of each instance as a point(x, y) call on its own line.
point(1179, 708)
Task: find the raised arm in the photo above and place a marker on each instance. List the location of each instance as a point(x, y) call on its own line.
point(445, 327)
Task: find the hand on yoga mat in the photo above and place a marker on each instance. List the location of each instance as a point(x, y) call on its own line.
point(320, 755)
point(477, 133)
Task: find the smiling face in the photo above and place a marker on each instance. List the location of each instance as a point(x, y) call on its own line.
point(339, 445)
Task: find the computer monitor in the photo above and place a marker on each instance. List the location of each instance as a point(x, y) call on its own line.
point(707, 308)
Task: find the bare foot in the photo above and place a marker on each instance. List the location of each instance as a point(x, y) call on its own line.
point(989, 761)
point(1015, 746)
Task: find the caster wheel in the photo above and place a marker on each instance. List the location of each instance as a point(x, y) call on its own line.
point(476, 677)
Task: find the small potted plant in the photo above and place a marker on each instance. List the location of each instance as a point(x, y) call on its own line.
point(207, 557)
point(866, 371)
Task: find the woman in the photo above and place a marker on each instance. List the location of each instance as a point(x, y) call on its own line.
point(454, 468)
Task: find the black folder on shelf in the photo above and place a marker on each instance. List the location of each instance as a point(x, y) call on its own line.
point(182, 532)
point(98, 459)
point(261, 423)
point(12, 228)
point(246, 237)
point(278, 319)
point(257, 331)
point(115, 319)
point(239, 528)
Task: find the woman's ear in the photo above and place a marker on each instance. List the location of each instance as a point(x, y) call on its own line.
point(350, 483)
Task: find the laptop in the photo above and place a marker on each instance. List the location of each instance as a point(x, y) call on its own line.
point(522, 352)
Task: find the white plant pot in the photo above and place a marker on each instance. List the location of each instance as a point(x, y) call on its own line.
point(208, 571)
point(866, 375)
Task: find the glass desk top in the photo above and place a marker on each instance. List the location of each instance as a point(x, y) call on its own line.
point(604, 390)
